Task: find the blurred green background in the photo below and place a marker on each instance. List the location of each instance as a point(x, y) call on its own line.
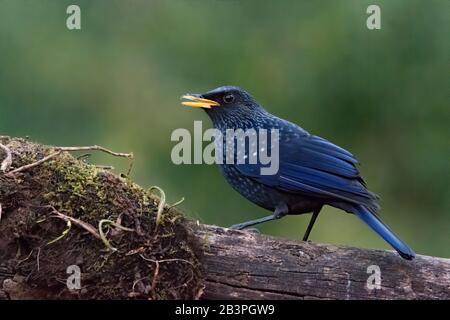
point(382, 94)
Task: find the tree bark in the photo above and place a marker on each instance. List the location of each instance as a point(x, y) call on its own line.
point(244, 265)
point(152, 252)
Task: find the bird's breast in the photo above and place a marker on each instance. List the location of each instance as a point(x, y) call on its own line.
point(252, 190)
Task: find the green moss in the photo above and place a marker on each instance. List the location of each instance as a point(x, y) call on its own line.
point(89, 194)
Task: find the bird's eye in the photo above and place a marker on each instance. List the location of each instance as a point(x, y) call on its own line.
point(228, 98)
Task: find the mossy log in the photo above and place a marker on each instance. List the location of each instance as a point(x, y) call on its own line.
point(57, 211)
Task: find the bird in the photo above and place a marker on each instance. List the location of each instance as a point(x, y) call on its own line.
point(312, 171)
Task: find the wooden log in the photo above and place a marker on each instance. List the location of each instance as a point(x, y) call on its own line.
point(173, 259)
point(245, 265)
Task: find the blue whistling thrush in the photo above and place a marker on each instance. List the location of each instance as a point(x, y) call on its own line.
point(312, 171)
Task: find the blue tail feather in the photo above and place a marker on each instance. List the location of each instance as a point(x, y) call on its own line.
point(383, 230)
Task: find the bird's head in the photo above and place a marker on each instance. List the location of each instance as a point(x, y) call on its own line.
point(224, 104)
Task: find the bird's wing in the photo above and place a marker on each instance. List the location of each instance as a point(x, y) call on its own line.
point(320, 154)
point(315, 167)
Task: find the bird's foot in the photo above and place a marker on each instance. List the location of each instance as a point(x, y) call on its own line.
point(238, 226)
point(253, 230)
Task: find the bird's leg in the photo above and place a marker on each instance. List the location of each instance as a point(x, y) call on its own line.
point(279, 212)
point(311, 224)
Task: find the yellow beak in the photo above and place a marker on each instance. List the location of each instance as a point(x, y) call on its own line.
point(197, 102)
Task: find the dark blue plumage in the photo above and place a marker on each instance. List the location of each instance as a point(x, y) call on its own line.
point(313, 172)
